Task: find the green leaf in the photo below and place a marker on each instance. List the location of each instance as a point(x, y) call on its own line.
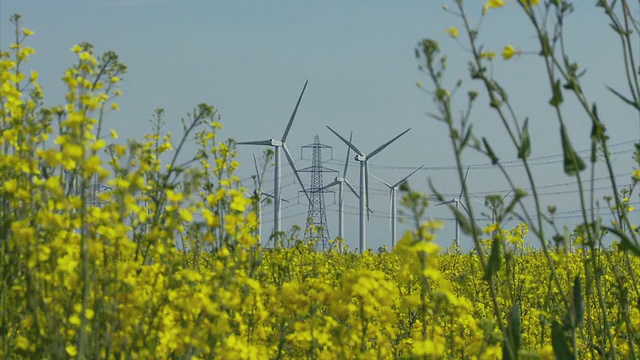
point(570, 85)
point(465, 226)
point(617, 29)
point(435, 192)
point(635, 104)
point(559, 342)
point(572, 162)
point(597, 132)
point(467, 136)
point(525, 142)
point(578, 302)
point(434, 116)
point(625, 242)
point(546, 47)
point(513, 334)
point(494, 259)
point(490, 153)
point(557, 99)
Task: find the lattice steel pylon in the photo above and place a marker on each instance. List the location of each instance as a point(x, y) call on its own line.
point(93, 192)
point(316, 229)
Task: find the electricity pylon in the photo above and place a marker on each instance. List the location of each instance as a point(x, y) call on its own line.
point(317, 229)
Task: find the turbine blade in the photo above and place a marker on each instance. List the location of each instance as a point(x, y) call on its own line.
point(258, 142)
point(346, 162)
point(335, 182)
point(366, 186)
point(267, 195)
point(463, 183)
point(293, 115)
point(374, 152)
point(293, 167)
point(446, 202)
point(349, 144)
point(390, 208)
point(408, 176)
point(382, 181)
point(352, 189)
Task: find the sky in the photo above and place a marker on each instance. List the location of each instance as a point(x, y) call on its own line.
point(250, 60)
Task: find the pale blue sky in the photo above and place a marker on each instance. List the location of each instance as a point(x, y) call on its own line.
point(251, 58)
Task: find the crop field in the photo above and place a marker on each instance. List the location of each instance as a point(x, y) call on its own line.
point(168, 264)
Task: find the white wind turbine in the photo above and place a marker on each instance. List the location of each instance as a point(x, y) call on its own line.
point(277, 145)
point(491, 207)
point(364, 181)
point(340, 181)
point(259, 197)
point(458, 202)
point(392, 194)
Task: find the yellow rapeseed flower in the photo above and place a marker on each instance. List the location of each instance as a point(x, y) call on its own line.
point(453, 32)
point(72, 350)
point(492, 4)
point(175, 197)
point(22, 342)
point(10, 186)
point(186, 215)
point(488, 55)
point(238, 203)
point(509, 51)
point(73, 151)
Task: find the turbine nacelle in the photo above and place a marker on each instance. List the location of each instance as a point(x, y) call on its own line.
point(360, 158)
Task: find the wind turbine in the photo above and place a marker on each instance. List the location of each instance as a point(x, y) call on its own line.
point(458, 202)
point(340, 181)
point(392, 195)
point(491, 207)
point(258, 195)
point(364, 181)
point(278, 145)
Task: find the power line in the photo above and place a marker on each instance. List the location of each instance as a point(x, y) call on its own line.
point(483, 166)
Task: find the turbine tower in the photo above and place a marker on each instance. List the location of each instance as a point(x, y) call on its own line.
point(316, 215)
point(278, 145)
point(259, 197)
point(364, 181)
point(340, 181)
point(392, 195)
